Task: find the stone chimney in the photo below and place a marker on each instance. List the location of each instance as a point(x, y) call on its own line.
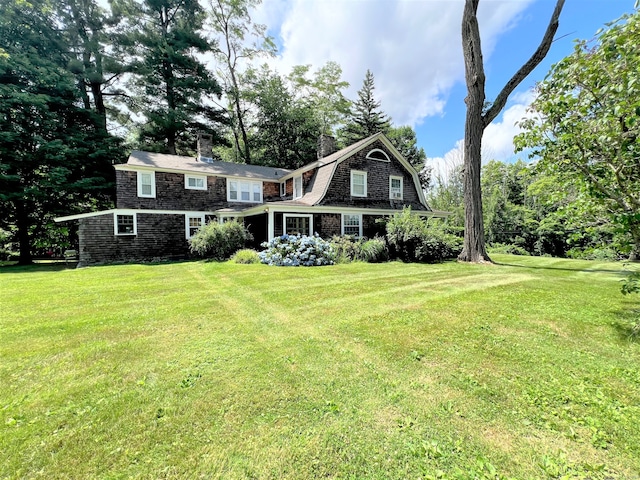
point(326, 146)
point(205, 147)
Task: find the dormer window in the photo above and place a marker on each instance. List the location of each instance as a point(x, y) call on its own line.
point(395, 188)
point(358, 183)
point(297, 187)
point(147, 184)
point(377, 154)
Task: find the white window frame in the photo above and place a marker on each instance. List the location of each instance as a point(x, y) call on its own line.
point(297, 189)
point(152, 175)
point(364, 174)
point(391, 190)
point(342, 225)
point(115, 224)
point(289, 215)
point(196, 178)
point(187, 225)
point(246, 186)
point(370, 155)
point(283, 188)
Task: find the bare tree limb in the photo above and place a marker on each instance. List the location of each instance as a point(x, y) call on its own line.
point(527, 68)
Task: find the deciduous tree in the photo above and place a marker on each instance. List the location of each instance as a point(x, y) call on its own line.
point(479, 115)
point(586, 131)
point(238, 40)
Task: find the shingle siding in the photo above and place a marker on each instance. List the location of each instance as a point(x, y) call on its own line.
point(378, 173)
point(171, 193)
point(158, 237)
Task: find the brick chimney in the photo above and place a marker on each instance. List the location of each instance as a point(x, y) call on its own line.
point(326, 146)
point(205, 147)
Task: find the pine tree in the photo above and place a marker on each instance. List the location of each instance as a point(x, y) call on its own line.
point(173, 90)
point(54, 156)
point(366, 116)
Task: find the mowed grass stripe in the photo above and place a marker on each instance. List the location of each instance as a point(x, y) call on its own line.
point(217, 370)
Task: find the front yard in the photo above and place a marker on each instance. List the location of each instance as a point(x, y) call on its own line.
point(216, 370)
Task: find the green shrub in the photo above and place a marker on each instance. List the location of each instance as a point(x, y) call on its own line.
point(219, 240)
point(507, 248)
point(246, 256)
point(345, 247)
point(591, 253)
point(373, 251)
point(411, 239)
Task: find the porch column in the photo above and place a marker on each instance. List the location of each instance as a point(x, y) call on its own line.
point(270, 225)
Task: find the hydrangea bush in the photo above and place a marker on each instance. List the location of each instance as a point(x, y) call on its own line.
point(296, 251)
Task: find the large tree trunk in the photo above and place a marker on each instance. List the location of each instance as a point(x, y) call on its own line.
point(474, 249)
point(635, 235)
point(23, 224)
point(474, 245)
point(477, 119)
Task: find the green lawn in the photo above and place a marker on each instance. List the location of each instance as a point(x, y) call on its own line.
point(214, 370)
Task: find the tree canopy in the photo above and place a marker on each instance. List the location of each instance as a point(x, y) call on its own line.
point(585, 127)
point(366, 117)
point(55, 157)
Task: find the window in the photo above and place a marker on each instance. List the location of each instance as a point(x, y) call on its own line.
point(358, 183)
point(395, 188)
point(297, 187)
point(352, 225)
point(195, 182)
point(244, 191)
point(283, 188)
point(193, 224)
point(125, 224)
point(298, 224)
point(147, 184)
point(377, 154)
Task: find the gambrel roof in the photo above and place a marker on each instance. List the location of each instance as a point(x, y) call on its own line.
point(326, 168)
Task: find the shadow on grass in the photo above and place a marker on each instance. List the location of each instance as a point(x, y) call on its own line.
point(564, 269)
point(628, 324)
point(50, 266)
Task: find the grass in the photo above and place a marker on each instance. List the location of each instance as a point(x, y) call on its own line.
point(389, 371)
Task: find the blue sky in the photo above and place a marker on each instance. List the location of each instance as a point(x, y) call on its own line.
point(413, 49)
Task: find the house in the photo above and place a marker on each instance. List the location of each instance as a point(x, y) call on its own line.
point(162, 200)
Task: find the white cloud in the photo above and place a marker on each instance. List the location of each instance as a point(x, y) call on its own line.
point(413, 47)
point(497, 141)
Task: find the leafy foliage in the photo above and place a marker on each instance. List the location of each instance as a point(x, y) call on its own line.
point(345, 247)
point(373, 250)
point(286, 128)
point(586, 126)
point(246, 256)
point(411, 239)
point(404, 139)
point(219, 241)
point(631, 284)
point(296, 251)
point(54, 156)
point(232, 24)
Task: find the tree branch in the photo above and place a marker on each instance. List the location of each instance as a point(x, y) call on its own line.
point(527, 68)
